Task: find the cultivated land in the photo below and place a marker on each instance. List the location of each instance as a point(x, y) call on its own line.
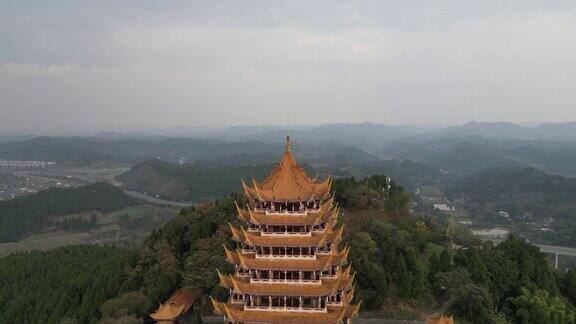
point(126, 227)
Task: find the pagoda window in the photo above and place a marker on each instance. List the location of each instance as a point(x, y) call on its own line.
point(307, 302)
point(277, 301)
point(292, 302)
point(264, 301)
point(292, 275)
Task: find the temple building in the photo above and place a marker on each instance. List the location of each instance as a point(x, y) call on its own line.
point(178, 308)
point(288, 265)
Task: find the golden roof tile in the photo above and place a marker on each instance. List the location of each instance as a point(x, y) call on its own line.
point(322, 262)
point(233, 313)
point(290, 240)
point(328, 214)
point(179, 303)
point(242, 286)
point(288, 181)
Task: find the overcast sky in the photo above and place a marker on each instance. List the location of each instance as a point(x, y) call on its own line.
point(142, 64)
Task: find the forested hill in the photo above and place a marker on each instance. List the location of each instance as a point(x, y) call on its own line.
point(188, 182)
point(28, 213)
point(193, 182)
point(403, 268)
point(64, 285)
point(532, 198)
point(527, 189)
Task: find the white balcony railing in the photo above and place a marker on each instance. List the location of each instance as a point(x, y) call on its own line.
point(287, 309)
point(287, 281)
point(303, 234)
point(286, 256)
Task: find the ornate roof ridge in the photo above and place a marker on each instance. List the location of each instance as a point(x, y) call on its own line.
point(329, 212)
point(315, 240)
point(321, 263)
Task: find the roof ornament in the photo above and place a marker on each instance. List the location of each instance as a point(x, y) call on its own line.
point(288, 144)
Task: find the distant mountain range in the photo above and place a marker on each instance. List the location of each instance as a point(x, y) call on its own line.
point(505, 130)
point(464, 155)
point(459, 150)
point(86, 151)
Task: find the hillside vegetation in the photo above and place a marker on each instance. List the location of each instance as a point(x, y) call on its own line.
point(405, 267)
point(64, 285)
point(465, 155)
point(188, 182)
point(28, 213)
point(528, 195)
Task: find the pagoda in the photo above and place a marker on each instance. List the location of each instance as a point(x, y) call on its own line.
point(288, 267)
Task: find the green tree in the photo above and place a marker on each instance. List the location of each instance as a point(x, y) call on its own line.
point(130, 303)
point(569, 285)
point(445, 261)
point(539, 307)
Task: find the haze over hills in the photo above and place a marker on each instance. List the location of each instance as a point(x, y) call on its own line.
point(460, 150)
point(537, 205)
point(373, 133)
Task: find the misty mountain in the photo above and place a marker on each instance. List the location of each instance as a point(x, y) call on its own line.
point(84, 151)
point(466, 155)
point(504, 130)
point(362, 135)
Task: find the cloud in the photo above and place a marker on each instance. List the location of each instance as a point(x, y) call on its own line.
point(149, 63)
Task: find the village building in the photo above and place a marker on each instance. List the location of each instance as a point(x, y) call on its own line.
point(288, 264)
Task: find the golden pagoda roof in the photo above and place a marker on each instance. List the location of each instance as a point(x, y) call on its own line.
point(288, 181)
point(322, 262)
point(327, 287)
point(328, 213)
point(179, 303)
point(237, 314)
point(290, 240)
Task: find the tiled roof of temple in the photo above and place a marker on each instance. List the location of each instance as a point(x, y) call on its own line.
point(288, 181)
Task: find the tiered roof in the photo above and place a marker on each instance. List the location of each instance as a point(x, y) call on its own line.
point(327, 214)
point(322, 262)
point(179, 303)
point(325, 287)
point(288, 181)
point(313, 240)
point(334, 314)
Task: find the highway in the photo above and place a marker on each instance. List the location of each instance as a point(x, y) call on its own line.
point(560, 250)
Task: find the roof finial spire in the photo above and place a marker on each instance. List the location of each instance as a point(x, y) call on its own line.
point(288, 143)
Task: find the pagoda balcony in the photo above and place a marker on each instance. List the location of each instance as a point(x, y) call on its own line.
point(304, 234)
point(286, 256)
point(287, 281)
point(269, 212)
point(286, 303)
point(286, 309)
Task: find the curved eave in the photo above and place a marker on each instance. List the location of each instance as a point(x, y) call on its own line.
point(326, 288)
point(328, 215)
point(321, 263)
point(318, 240)
point(237, 315)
